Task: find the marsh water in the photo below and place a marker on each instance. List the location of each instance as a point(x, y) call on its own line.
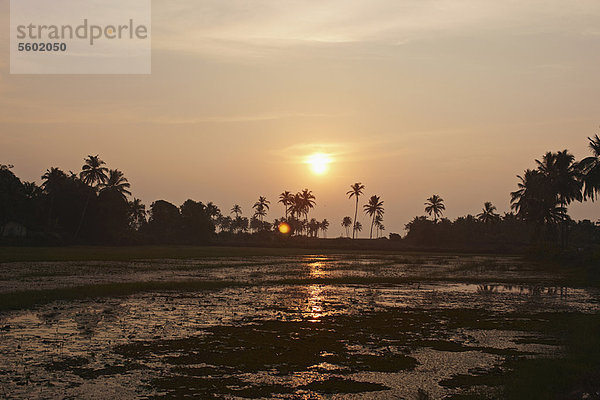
point(315, 326)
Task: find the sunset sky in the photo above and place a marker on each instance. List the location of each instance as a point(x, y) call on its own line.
point(411, 98)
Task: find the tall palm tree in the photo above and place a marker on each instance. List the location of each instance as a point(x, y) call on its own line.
point(117, 183)
point(286, 198)
point(435, 206)
point(237, 210)
point(261, 207)
point(347, 223)
point(92, 173)
point(356, 190)
point(589, 168)
point(324, 227)
point(308, 201)
point(373, 208)
point(488, 213)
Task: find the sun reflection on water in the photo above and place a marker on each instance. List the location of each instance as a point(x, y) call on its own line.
point(314, 303)
point(317, 269)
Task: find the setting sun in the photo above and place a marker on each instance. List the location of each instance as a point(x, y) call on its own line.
point(319, 163)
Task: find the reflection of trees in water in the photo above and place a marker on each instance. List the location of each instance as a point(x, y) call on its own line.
point(528, 290)
point(487, 289)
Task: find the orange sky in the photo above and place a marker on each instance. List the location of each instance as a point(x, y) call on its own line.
point(412, 98)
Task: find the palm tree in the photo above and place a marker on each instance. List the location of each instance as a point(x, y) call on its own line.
point(563, 177)
point(308, 201)
point(296, 206)
point(303, 202)
point(373, 208)
point(212, 209)
point(137, 213)
point(313, 227)
point(347, 223)
point(488, 213)
point(534, 201)
point(357, 227)
point(589, 168)
point(287, 199)
point(355, 191)
point(237, 210)
point(116, 183)
point(324, 227)
point(435, 206)
point(92, 173)
point(379, 225)
point(261, 207)
point(52, 181)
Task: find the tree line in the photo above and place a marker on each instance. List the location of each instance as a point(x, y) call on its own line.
point(96, 205)
point(539, 209)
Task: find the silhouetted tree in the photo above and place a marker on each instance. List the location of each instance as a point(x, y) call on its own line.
point(12, 196)
point(137, 214)
point(373, 208)
point(324, 227)
point(535, 201)
point(237, 210)
point(313, 227)
point(347, 223)
point(92, 173)
point(589, 168)
point(261, 207)
point(379, 227)
point(488, 213)
point(357, 227)
point(164, 221)
point(356, 190)
point(52, 181)
point(307, 199)
point(195, 222)
point(213, 211)
point(286, 198)
point(435, 206)
point(117, 183)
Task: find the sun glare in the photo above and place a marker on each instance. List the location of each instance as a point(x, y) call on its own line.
point(284, 228)
point(319, 163)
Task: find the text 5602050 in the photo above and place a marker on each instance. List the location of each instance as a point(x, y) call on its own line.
point(43, 46)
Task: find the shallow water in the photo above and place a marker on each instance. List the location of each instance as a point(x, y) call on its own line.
point(272, 338)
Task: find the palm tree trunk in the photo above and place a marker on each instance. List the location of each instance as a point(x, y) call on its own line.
point(372, 223)
point(354, 222)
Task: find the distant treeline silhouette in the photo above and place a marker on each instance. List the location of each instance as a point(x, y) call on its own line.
point(95, 207)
